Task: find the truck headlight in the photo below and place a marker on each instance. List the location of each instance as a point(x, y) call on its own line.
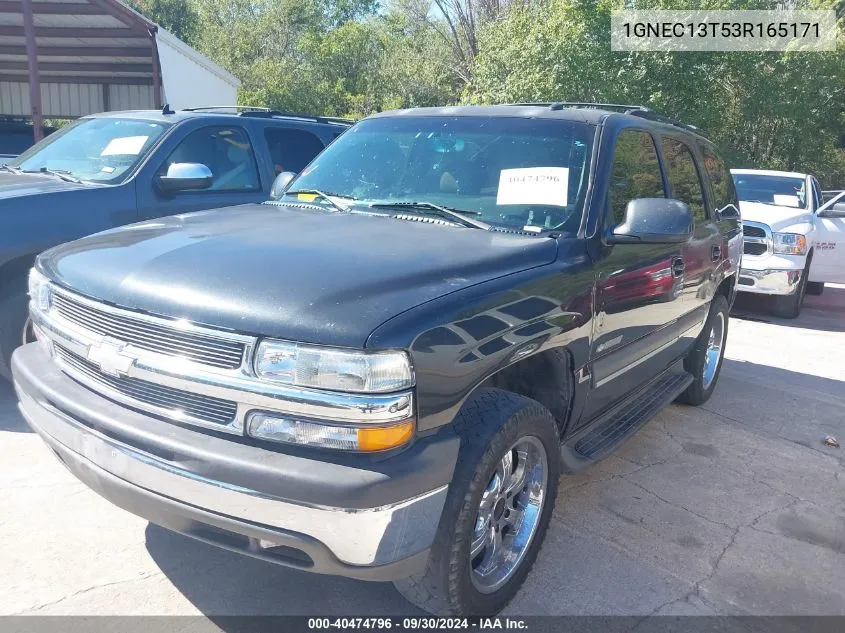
point(789, 243)
point(39, 291)
point(279, 427)
point(332, 368)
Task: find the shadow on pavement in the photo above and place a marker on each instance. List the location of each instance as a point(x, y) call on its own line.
point(825, 313)
point(218, 582)
point(10, 418)
point(795, 406)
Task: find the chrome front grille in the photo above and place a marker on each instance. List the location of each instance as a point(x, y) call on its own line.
point(757, 239)
point(173, 403)
point(148, 335)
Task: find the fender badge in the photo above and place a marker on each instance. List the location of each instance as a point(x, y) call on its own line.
point(108, 355)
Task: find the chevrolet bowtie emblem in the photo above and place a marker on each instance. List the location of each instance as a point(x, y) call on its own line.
point(109, 356)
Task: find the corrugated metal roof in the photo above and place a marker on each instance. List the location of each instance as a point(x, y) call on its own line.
point(85, 43)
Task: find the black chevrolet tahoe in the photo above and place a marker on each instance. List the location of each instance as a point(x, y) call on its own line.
point(383, 372)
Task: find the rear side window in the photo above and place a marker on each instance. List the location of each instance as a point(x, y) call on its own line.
point(721, 181)
point(683, 176)
point(291, 149)
point(635, 172)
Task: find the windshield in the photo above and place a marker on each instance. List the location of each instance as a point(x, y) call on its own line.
point(96, 150)
point(521, 173)
point(783, 191)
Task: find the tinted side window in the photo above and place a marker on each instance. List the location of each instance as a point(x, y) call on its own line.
point(683, 176)
point(721, 181)
point(291, 149)
point(226, 151)
point(635, 172)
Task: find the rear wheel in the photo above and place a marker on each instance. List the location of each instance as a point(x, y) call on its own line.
point(704, 362)
point(815, 287)
point(498, 509)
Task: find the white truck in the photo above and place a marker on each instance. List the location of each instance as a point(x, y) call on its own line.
point(793, 244)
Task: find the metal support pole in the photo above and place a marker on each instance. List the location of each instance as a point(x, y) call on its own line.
point(34, 79)
point(156, 73)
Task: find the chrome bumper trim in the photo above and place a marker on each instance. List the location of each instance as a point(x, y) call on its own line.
point(769, 282)
point(248, 392)
point(372, 536)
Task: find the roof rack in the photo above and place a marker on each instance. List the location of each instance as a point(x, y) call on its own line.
point(236, 108)
point(258, 111)
point(634, 110)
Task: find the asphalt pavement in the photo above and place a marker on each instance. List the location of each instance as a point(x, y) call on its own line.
point(735, 507)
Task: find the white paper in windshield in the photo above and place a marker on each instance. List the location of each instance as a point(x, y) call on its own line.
point(126, 145)
point(533, 185)
point(786, 200)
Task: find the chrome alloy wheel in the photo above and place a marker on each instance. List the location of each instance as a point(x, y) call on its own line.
point(714, 349)
point(508, 514)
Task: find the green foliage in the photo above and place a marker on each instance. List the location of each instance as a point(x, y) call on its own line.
point(176, 16)
point(772, 110)
point(355, 57)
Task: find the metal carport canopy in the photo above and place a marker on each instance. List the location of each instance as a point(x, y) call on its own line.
point(68, 58)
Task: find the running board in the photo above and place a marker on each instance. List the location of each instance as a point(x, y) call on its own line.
point(601, 437)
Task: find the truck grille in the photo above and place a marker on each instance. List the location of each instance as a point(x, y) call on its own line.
point(155, 337)
point(173, 403)
point(749, 248)
point(756, 239)
point(753, 231)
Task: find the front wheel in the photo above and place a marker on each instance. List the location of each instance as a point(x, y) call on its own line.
point(15, 329)
point(498, 508)
point(704, 362)
point(789, 306)
point(815, 288)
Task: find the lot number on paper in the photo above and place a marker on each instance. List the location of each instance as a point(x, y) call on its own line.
point(126, 145)
point(533, 185)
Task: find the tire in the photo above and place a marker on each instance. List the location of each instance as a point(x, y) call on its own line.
point(491, 424)
point(699, 362)
point(815, 288)
point(789, 306)
point(13, 321)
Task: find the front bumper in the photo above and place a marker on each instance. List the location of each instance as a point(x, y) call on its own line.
point(769, 282)
point(373, 520)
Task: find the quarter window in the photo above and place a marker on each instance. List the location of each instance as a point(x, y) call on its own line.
point(683, 176)
point(291, 149)
point(226, 151)
point(635, 172)
point(721, 181)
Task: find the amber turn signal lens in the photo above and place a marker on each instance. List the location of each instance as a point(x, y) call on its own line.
point(384, 437)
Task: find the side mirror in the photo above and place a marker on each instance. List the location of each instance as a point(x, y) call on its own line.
point(729, 212)
point(836, 211)
point(185, 177)
point(654, 221)
point(280, 184)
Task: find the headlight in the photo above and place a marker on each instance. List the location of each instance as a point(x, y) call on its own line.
point(789, 243)
point(39, 290)
point(333, 368)
point(280, 428)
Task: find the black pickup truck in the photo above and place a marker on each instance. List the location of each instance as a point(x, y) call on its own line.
point(115, 168)
point(382, 373)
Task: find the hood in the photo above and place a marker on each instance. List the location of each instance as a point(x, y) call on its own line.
point(296, 273)
point(778, 218)
point(16, 185)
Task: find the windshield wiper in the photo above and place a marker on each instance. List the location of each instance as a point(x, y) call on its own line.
point(58, 173)
point(12, 169)
point(328, 197)
point(429, 208)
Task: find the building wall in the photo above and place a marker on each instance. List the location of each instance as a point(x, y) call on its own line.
point(73, 100)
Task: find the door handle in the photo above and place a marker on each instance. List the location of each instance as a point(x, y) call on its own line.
point(677, 267)
point(716, 253)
